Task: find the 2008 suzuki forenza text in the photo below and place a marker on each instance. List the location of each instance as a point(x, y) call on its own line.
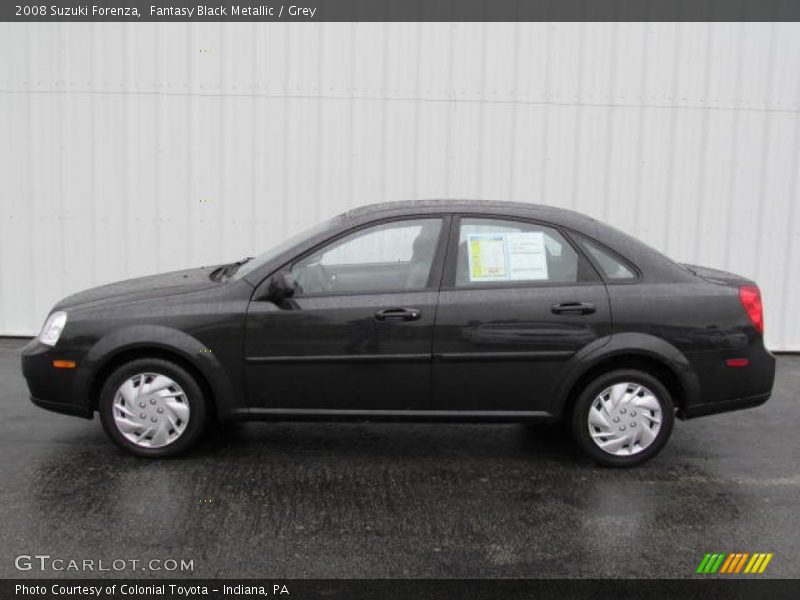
point(431, 310)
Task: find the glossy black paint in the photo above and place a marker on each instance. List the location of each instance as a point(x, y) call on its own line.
point(333, 353)
point(505, 349)
point(513, 352)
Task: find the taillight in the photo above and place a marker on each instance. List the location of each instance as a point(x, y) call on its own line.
point(750, 297)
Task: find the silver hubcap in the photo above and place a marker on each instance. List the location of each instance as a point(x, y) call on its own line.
point(151, 410)
point(624, 419)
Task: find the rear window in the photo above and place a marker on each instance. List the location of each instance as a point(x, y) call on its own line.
point(612, 266)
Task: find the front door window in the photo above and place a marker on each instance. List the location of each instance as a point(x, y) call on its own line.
point(390, 257)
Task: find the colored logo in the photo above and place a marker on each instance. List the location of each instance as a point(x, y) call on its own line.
point(732, 564)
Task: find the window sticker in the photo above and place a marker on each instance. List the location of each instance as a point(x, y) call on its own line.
point(511, 256)
point(487, 257)
point(528, 256)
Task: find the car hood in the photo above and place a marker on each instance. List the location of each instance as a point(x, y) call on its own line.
point(142, 288)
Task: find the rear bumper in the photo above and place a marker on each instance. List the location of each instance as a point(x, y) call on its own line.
point(725, 388)
point(712, 408)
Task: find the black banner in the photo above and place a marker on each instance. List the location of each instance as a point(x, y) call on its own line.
point(403, 10)
point(334, 589)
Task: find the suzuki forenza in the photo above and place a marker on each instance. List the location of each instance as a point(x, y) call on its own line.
point(430, 310)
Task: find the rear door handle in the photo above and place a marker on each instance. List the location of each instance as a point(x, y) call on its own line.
point(398, 314)
point(573, 308)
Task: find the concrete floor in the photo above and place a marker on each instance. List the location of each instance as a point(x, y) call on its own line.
point(397, 500)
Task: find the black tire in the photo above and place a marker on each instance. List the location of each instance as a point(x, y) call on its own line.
point(194, 396)
point(580, 416)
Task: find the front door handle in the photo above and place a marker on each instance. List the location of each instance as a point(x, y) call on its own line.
point(573, 308)
point(398, 314)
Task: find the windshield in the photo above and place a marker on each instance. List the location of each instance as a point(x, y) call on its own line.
point(275, 251)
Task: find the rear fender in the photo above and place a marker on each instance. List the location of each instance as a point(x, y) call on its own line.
point(629, 344)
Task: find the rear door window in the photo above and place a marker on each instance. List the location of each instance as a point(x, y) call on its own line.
point(492, 251)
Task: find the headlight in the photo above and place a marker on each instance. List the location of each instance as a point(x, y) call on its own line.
point(52, 328)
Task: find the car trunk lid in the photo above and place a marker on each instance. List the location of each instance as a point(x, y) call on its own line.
point(718, 276)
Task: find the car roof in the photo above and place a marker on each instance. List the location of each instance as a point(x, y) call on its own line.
point(653, 265)
point(560, 216)
point(647, 259)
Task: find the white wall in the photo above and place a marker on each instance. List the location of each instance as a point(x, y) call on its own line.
point(127, 149)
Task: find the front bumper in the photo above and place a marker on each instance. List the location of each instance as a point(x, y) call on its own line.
point(59, 390)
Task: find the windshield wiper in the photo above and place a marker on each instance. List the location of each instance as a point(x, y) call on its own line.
point(226, 271)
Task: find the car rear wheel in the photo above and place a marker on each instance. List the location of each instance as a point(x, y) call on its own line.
point(623, 418)
point(152, 407)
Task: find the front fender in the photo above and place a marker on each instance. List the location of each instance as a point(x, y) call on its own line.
point(629, 344)
point(159, 337)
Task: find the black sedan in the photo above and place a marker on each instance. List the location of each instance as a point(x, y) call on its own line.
point(431, 310)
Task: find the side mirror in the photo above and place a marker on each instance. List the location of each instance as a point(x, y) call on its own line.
point(280, 287)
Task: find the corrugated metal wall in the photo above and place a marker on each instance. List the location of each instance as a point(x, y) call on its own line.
point(127, 149)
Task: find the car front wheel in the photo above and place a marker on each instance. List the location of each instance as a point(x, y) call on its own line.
point(152, 407)
point(623, 418)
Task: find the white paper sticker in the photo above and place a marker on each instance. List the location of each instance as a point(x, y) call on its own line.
point(507, 256)
point(528, 258)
